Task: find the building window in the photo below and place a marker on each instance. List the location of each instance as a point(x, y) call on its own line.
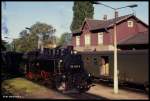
point(87, 39)
point(77, 40)
point(100, 38)
point(130, 23)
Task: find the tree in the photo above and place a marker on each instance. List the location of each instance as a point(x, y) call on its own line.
point(29, 41)
point(65, 39)
point(3, 46)
point(23, 34)
point(81, 10)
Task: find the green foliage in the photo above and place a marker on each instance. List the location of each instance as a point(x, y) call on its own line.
point(81, 10)
point(29, 40)
point(65, 39)
point(51, 40)
point(5, 46)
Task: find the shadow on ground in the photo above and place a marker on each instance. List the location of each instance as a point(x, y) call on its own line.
point(85, 95)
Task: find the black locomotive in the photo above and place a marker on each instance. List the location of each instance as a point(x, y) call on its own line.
point(61, 66)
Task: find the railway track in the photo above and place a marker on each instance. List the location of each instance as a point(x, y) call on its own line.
point(84, 96)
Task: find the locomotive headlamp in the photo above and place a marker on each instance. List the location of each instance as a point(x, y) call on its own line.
point(64, 76)
point(75, 52)
point(71, 66)
point(60, 60)
point(71, 52)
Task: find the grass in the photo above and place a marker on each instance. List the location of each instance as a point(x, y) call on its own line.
point(19, 85)
point(28, 89)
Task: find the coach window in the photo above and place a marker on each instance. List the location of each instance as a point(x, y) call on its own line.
point(87, 60)
point(95, 61)
point(104, 66)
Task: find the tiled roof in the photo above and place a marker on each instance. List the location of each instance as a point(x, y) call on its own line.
point(99, 24)
point(139, 38)
point(102, 24)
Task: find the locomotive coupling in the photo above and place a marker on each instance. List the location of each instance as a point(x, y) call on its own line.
point(92, 85)
point(89, 75)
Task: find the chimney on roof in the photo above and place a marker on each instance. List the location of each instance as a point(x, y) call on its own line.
point(105, 17)
point(116, 14)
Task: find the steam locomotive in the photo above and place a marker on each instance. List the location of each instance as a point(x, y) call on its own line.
point(63, 67)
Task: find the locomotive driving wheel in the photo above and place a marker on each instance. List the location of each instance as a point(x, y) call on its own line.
point(60, 85)
point(83, 87)
point(29, 75)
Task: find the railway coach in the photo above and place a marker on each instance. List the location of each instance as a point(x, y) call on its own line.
point(132, 66)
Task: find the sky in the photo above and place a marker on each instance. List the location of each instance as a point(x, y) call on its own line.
point(19, 15)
